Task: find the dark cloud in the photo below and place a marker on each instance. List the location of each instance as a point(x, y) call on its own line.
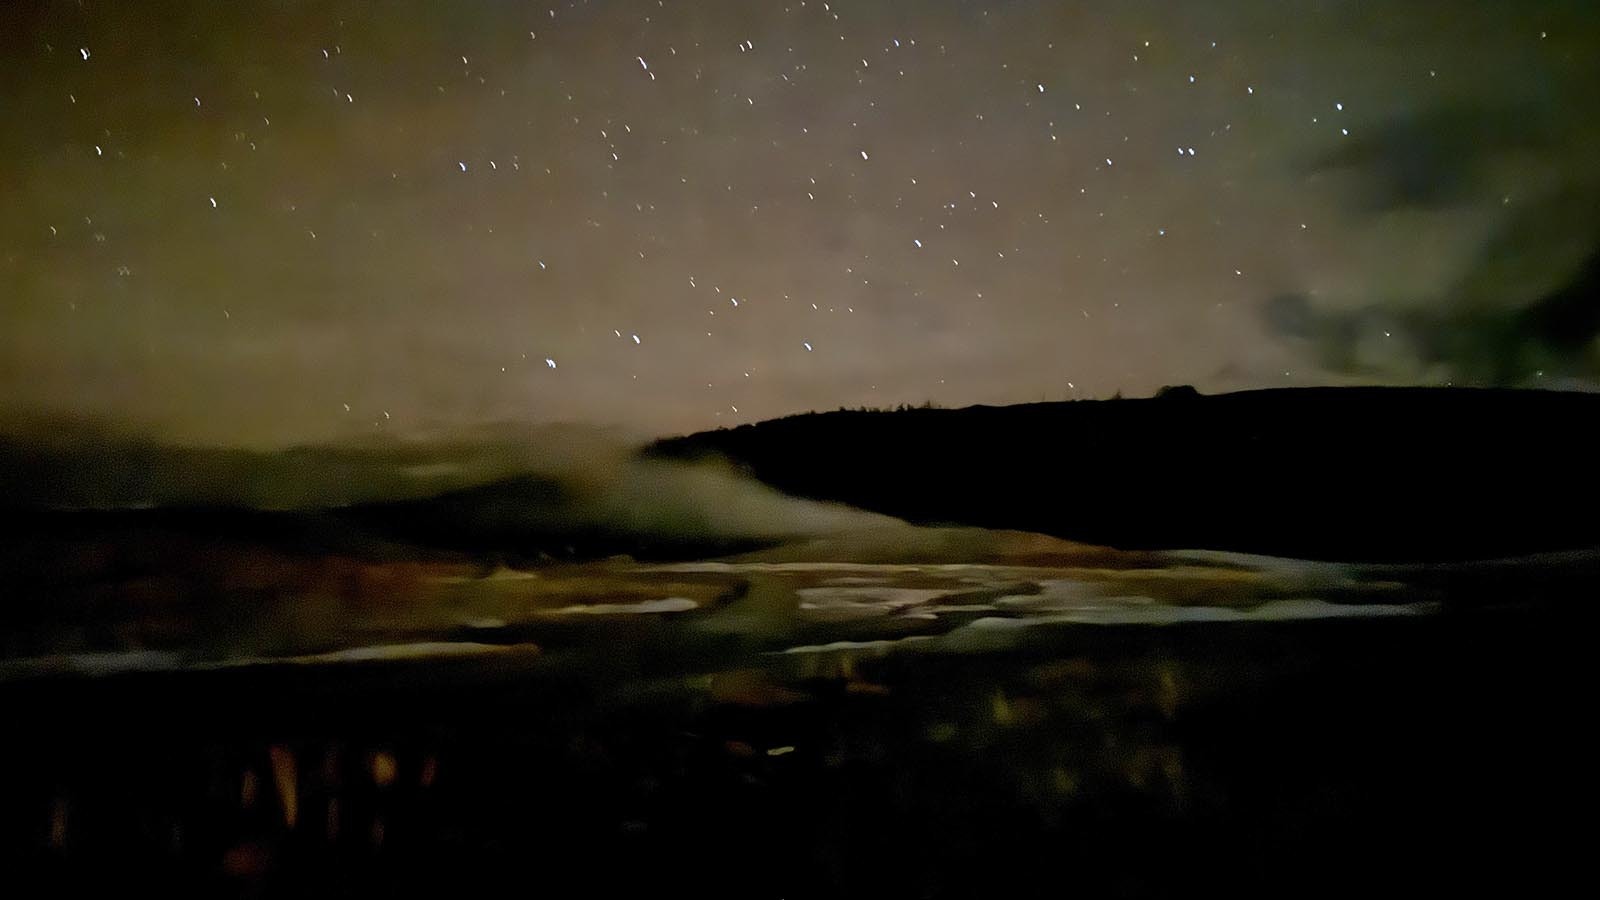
point(1552, 340)
point(1523, 307)
point(1438, 156)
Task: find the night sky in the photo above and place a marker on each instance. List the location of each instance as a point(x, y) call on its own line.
point(267, 223)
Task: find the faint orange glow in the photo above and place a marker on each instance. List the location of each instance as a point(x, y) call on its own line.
point(283, 777)
point(384, 769)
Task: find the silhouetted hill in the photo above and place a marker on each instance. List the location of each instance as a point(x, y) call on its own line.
point(521, 520)
point(1333, 473)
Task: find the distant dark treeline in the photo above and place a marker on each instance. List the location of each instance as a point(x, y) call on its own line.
point(1334, 473)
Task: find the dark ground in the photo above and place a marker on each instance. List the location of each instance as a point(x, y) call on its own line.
point(1334, 757)
point(1007, 716)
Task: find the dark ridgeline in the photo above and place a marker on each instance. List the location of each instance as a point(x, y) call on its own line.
point(524, 520)
point(1330, 473)
point(529, 519)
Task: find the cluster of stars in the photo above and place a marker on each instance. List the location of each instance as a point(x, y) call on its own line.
point(986, 199)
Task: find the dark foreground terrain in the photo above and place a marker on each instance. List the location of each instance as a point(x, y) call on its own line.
point(261, 675)
point(921, 743)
